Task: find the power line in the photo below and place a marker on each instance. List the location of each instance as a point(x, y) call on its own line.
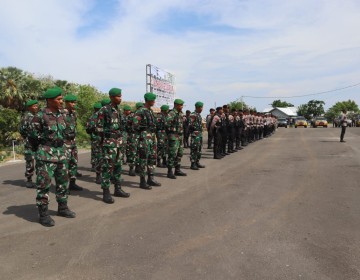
point(295, 96)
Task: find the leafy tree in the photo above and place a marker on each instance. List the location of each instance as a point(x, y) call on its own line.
point(239, 105)
point(9, 125)
point(281, 104)
point(313, 108)
point(336, 109)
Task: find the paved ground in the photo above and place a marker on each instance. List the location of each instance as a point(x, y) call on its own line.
point(287, 207)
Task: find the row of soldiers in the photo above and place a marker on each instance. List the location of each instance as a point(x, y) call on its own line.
point(145, 139)
point(231, 130)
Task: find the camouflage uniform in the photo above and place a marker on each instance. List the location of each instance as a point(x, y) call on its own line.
point(95, 142)
point(70, 142)
point(125, 135)
point(132, 141)
point(162, 141)
point(29, 153)
point(48, 133)
point(195, 129)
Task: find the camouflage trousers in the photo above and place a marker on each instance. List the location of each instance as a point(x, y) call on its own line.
point(175, 151)
point(161, 144)
point(111, 166)
point(123, 146)
point(29, 156)
point(96, 155)
point(147, 153)
point(72, 157)
point(195, 148)
point(132, 149)
point(45, 171)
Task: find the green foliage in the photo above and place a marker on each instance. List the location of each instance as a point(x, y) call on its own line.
point(9, 126)
point(239, 105)
point(313, 108)
point(281, 104)
point(349, 106)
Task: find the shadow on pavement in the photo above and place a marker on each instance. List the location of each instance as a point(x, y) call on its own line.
point(17, 183)
point(27, 212)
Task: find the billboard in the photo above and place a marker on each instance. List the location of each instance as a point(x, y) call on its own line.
point(161, 83)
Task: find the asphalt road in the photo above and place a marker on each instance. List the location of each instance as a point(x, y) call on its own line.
point(287, 207)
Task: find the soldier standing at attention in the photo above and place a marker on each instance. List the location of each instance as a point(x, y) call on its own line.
point(224, 130)
point(195, 129)
point(29, 153)
point(145, 125)
point(90, 129)
point(186, 128)
point(47, 136)
point(343, 123)
point(109, 128)
point(132, 142)
point(208, 124)
point(127, 124)
point(161, 136)
point(174, 129)
point(70, 141)
point(216, 125)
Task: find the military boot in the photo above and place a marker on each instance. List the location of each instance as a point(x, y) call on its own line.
point(151, 181)
point(119, 192)
point(64, 211)
point(170, 173)
point(29, 183)
point(107, 198)
point(98, 178)
point(73, 186)
point(158, 163)
point(178, 172)
point(200, 165)
point(193, 166)
point(78, 174)
point(44, 217)
point(132, 171)
point(164, 162)
point(143, 184)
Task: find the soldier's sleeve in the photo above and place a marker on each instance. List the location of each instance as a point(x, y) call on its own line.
point(34, 135)
point(99, 122)
point(23, 129)
point(136, 120)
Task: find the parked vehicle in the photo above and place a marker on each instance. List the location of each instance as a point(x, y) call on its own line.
point(301, 121)
point(282, 122)
point(320, 121)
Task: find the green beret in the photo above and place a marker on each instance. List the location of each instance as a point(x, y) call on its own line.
point(53, 93)
point(127, 107)
point(97, 105)
point(164, 107)
point(105, 101)
point(115, 92)
point(179, 102)
point(149, 96)
point(31, 102)
point(199, 104)
point(70, 98)
point(139, 105)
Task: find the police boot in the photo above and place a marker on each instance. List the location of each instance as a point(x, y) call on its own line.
point(73, 186)
point(44, 217)
point(131, 171)
point(64, 211)
point(200, 165)
point(98, 178)
point(119, 191)
point(29, 183)
point(107, 198)
point(194, 166)
point(151, 181)
point(143, 184)
point(78, 174)
point(178, 172)
point(170, 173)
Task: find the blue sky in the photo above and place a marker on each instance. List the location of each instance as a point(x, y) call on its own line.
point(218, 50)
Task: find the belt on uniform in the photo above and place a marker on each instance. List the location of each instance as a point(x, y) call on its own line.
point(54, 144)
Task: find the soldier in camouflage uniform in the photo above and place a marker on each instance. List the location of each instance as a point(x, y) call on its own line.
point(95, 142)
point(32, 109)
point(132, 142)
point(161, 137)
point(174, 129)
point(70, 141)
point(109, 128)
point(145, 125)
point(186, 128)
point(126, 115)
point(47, 136)
point(195, 129)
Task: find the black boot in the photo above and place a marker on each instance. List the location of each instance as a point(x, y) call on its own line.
point(44, 217)
point(64, 211)
point(107, 198)
point(98, 178)
point(200, 165)
point(137, 169)
point(119, 191)
point(164, 162)
point(131, 171)
point(151, 181)
point(93, 168)
point(193, 166)
point(178, 172)
point(78, 174)
point(217, 156)
point(29, 183)
point(73, 186)
point(170, 173)
point(143, 184)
